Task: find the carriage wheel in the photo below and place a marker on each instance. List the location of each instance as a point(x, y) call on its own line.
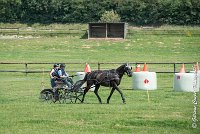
point(59, 95)
point(78, 96)
point(46, 95)
point(69, 96)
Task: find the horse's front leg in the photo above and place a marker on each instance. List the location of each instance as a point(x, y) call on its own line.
point(96, 93)
point(122, 95)
point(111, 92)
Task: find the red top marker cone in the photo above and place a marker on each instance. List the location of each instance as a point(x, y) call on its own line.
point(145, 67)
point(87, 68)
point(182, 69)
point(137, 69)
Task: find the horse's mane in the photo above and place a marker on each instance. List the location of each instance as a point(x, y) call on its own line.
point(121, 68)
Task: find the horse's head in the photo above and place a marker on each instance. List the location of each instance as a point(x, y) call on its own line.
point(128, 69)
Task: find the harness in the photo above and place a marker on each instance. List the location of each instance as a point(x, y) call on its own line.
point(107, 78)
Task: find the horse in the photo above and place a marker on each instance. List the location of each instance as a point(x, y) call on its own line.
point(108, 78)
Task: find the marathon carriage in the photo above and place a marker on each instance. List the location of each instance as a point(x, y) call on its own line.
point(63, 94)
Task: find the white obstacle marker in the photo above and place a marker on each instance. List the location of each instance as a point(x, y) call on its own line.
point(184, 82)
point(144, 80)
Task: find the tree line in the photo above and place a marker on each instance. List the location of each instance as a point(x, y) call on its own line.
point(138, 12)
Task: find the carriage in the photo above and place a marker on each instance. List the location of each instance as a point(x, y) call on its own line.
point(63, 94)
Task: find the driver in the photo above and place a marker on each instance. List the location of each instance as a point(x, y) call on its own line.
point(53, 75)
point(64, 77)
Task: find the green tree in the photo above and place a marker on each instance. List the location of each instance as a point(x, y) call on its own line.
point(110, 16)
point(10, 10)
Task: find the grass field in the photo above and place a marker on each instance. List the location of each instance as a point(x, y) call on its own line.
point(21, 111)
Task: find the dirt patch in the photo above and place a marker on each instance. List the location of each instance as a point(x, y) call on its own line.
point(16, 37)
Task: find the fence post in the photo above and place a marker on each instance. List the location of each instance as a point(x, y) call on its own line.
point(174, 67)
point(26, 68)
point(17, 31)
point(98, 66)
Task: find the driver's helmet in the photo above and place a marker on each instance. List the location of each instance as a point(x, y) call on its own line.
point(56, 65)
point(62, 65)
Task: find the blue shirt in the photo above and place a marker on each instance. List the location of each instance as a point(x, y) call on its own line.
point(62, 72)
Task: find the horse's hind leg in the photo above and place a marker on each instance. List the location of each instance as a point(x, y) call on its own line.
point(111, 92)
point(122, 95)
point(96, 93)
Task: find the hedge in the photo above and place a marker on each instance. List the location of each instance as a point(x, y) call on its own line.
point(139, 12)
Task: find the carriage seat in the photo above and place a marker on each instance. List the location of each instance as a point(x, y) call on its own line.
point(59, 84)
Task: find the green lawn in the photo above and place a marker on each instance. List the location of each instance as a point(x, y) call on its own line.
point(22, 112)
point(165, 112)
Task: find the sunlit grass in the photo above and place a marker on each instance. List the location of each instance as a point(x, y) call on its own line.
point(149, 48)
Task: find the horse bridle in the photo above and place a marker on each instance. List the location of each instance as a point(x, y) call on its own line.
point(127, 67)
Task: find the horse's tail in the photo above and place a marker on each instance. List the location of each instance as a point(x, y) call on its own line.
point(79, 83)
